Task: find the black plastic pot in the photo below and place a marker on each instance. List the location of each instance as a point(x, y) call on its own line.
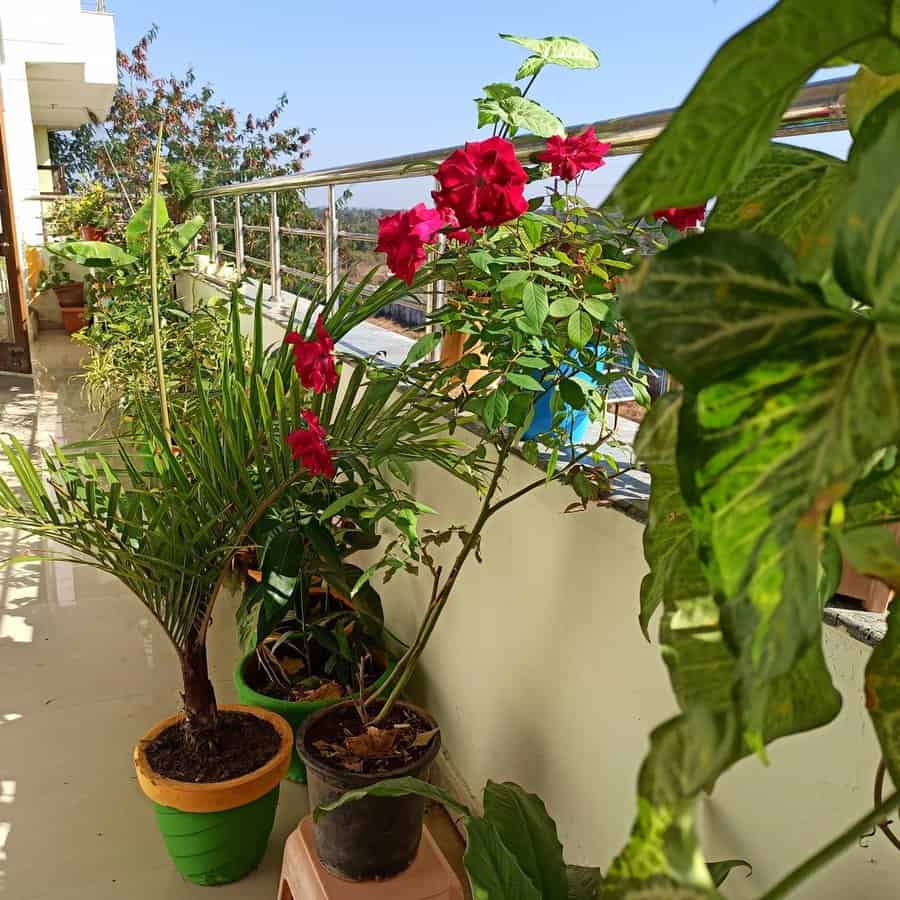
point(372, 838)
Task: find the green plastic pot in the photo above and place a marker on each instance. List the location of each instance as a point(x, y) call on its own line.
point(217, 832)
point(295, 712)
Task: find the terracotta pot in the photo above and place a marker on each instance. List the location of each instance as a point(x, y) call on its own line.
point(93, 233)
point(452, 346)
point(372, 838)
point(216, 832)
point(874, 595)
point(70, 295)
point(73, 318)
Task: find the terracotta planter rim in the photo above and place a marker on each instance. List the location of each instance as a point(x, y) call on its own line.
point(214, 796)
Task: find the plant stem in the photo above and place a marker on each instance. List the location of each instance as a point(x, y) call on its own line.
point(199, 696)
point(154, 289)
point(831, 850)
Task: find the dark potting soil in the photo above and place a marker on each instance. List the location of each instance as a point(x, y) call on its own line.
point(240, 743)
point(412, 736)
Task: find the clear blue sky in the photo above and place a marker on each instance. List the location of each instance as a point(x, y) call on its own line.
point(383, 78)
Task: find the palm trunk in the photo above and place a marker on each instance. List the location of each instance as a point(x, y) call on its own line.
point(199, 697)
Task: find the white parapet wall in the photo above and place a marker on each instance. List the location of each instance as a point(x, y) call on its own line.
point(539, 674)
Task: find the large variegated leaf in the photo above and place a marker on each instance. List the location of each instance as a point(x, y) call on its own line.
point(791, 399)
point(662, 857)
point(568, 52)
point(528, 832)
point(793, 194)
point(883, 692)
point(867, 89)
point(723, 127)
point(867, 257)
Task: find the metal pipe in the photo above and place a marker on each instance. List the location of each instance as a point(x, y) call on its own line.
point(331, 242)
point(274, 247)
point(238, 237)
point(213, 232)
point(819, 107)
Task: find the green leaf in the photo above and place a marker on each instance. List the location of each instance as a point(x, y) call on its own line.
point(513, 280)
point(520, 379)
point(557, 51)
point(788, 401)
point(872, 551)
point(883, 692)
point(528, 832)
point(342, 502)
point(496, 406)
point(522, 112)
point(868, 246)
point(138, 229)
point(563, 307)
point(422, 348)
point(183, 234)
point(500, 90)
point(580, 328)
point(493, 870)
point(572, 392)
point(597, 308)
point(793, 194)
point(867, 89)
point(94, 254)
point(534, 302)
point(724, 125)
point(394, 787)
point(722, 869)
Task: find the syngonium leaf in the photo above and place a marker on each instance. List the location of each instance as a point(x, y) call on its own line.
point(723, 127)
point(521, 112)
point(867, 255)
point(793, 194)
point(662, 858)
point(867, 89)
point(873, 550)
point(883, 692)
point(787, 401)
point(558, 51)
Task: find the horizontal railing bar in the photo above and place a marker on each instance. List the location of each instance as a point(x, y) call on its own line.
point(264, 228)
point(227, 253)
point(819, 107)
point(224, 225)
point(299, 273)
point(359, 236)
point(259, 262)
point(308, 232)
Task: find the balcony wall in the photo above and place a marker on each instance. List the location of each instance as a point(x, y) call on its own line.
point(538, 673)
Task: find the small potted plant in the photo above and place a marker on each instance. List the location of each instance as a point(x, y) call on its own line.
point(92, 215)
point(69, 293)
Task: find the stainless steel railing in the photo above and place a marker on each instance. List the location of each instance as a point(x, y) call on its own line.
point(819, 107)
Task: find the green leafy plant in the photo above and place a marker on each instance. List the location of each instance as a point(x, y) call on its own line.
point(778, 457)
point(95, 206)
point(513, 849)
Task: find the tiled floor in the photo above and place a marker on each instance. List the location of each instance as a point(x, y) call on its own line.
point(84, 671)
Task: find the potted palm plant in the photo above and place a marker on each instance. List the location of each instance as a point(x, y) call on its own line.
point(169, 507)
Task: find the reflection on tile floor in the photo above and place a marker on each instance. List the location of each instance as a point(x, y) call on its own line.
point(84, 671)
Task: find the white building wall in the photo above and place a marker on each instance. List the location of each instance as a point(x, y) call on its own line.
point(66, 58)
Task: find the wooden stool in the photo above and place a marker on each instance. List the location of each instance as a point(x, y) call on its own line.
point(303, 877)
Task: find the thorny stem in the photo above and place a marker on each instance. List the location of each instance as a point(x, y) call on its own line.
point(831, 850)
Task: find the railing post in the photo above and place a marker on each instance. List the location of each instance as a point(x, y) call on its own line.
point(434, 299)
point(274, 247)
point(331, 243)
point(238, 237)
point(213, 233)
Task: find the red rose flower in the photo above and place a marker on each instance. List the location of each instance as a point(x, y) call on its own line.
point(308, 445)
point(683, 217)
point(570, 156)
point(454, 232)
point(403, 236)
point(314, 360)
point(483, 184)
